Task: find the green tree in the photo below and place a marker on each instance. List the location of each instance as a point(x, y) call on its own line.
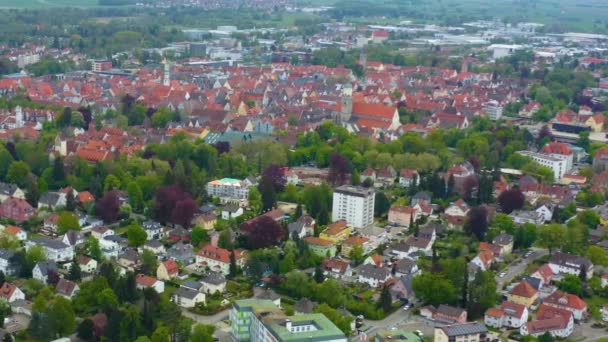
point(435, 289)
point(233, 266)
point(571, 284)
point(381, 204)
point(552, 236)
point(67, 221)
point(93, 249)
point(5, 161)
point(202, 333)
point(161, 334)
point(198, 236)
point(597, 255)
point(136, 235)
point(343, 322)
point(136, 196)
point(318, 276)
point(111, 183)
point(357, 255)
point(34, 255)
point(386, 300)
point(107, 300)
point(75, 273)
point(85, 329)
point(149, 262)
point(288, 263)
point(482, 294)
point(17, 173)
point(61, 316)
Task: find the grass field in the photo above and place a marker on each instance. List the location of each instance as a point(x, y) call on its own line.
point(47, 3)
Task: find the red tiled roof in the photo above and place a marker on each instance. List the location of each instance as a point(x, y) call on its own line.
point(312, 240)
point(523, 289)
point(556, 148)
point(7, 289)
point(145, 280)
point(218, 254)
point(566, 299)
point(335, 228)
point(374, 110)
point(171, 266)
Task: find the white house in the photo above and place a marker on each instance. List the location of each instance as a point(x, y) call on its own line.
point(54, 250)
point(10, 292)
point(187, 298)
point(144, 281)
point(546, 211)
point(214, 282)
point(555, 321)
point(15, 232)
point(153, 229)
point(507, 315)
point(42, 270)
point(408, 177)
point(87, 265)
point(217, 259)
point(569, 302)
point(527, 216)
point(372, 275)
point(101, 232)
point(562, 263)
point(6, 265)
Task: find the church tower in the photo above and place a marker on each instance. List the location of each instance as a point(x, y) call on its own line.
point(347, 103)
point(167, 73)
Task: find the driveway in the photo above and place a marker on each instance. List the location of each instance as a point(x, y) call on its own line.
point(518, 266)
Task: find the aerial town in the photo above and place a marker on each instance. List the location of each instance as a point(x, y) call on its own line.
point(304, 173)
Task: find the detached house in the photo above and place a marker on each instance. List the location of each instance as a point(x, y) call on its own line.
point(409, 177)
point(66, 288)
point(54, 250)
point(43, 269)
point(562, 263)
point(444, 314)
point(187, 298)
point(144, 281)
point(153, 229)
point(336, 268)
point(401, 215)
point(372, 275)
point(456, 213)
point(10, 191)
point(11, 292)
point(569, 302)
point(336, 232)
point(507, 315)
point(167, 270)
point(524, 294)
point(557, 322)
point(16, 209)
point(218, 259)
point(52, 200)
point(213, 282)
point(6, 261)
point(15, 232)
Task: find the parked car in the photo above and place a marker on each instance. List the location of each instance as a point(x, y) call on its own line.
point(502, 274)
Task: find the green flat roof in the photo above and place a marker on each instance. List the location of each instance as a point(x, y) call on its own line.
point(326, 330)
point(398, 336)
point(254, 304)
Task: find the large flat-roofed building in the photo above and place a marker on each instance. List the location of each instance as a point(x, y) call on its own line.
point(229, 190)
point(355, 205)
point(559, 166)
point(262, 321)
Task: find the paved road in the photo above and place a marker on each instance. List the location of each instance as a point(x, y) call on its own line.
point(518, 266)
point(213, 319)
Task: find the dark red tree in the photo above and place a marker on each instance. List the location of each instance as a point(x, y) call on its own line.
point(511, 199)
point(183, 212)
point(475, 162)
point(338, 169)
point(544, 132)
point(108, 207)
point(477, 221)
point(165, 201)
point(86, 115)
point(263, 232)
point(52, 277)
point(222, 147)
point(276, 175)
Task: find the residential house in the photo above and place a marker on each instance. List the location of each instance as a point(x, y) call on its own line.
point(461, 332)
point(562, 263)
point(213, 282)
point(369, 173)
point(546, 210)
point(304, 226)
point(167, 270)
point(505, 241)
point(8, 190)
point(179, 234)
point(544, 274)
point(193, 285)
point(87, 265)
point(101, 232)
point(523, 293)
point(320, 247)
point(445, 314)
point(527, 216)
point(402, 289)
point(143, 282)
point(555, 321)
point(231, 211)
point(507, 315)
point(372, 275)
point(420, 196)
point(385, 176)
point(419, 244)
point(187, 298)
point(50, 222)
point(401, 215)
point(336, 268)
point(15, 232)
point(113, 245)
point(153, 229)
point(43, 269)
point(66, 288)
point(129, 259)
point(409, 177)
point(10, 292)
point(206, 221)
point(181, 252)
point(456, 213)
point(72, 238)
point(7, 265)
point(16, 209)
point(336, 232)
point(567, 301)
point(218, 259)
point(484, 259)
point(405, 267)
point(355, 241)
point(52, 200)
point(54, 250)
point(155, 246)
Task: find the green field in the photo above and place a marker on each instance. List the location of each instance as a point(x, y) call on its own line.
point(47, 3)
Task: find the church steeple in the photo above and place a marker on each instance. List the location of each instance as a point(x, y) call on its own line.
point(347, 103)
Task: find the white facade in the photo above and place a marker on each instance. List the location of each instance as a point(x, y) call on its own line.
point(229, 190)
point(355, 205)
point(559, 166)
point(493, 109)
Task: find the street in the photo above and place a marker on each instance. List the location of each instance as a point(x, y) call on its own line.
point(518, 266)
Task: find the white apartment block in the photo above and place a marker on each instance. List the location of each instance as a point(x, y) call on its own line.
point(355, 205)
point(229, 190)
point(559, 166)
point(493, 109)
